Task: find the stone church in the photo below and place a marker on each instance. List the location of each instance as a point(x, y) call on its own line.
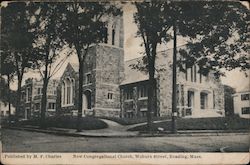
point(112, 88)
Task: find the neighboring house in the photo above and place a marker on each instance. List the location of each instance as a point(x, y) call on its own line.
point(242, 103)
point(4, 108)
point(32, 96)
point(112, 88)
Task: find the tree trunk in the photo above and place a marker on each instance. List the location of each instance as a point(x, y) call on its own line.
point(151, 93)
point(44, 102)
point(44, 94)
point(174, 94)
point(18, 101)
point(79, 116)
point(9, 97)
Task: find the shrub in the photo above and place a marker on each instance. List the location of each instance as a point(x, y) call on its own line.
point(130, 121)
point(87, 123)
point(226, 123)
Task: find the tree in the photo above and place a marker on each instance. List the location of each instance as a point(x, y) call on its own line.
point(152, 27)
point(48, 46)
point(17, 40)
point(8, 70)
point(208, 25)
point(82, 25)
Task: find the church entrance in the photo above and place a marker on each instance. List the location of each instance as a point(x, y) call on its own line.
point(86, 103)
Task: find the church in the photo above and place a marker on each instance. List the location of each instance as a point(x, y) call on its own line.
point(112, 88)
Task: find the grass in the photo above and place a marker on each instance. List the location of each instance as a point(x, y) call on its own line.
point(223, 123)
point(87, 123)
point(130, 121)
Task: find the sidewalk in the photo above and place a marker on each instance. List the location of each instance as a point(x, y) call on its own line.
point(116, 130)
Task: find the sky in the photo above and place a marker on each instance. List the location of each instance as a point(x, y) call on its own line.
point(132, 49)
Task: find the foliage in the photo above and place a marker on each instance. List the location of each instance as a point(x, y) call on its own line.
point(222, 123)
point(17, 41)
point(48, 44)
point(217, 33)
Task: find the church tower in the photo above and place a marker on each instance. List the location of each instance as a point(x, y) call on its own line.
point(104, 71)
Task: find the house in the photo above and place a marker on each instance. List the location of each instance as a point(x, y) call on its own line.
point(112, 88)
point(32, 95)
point(242, 103)
point(4, 108)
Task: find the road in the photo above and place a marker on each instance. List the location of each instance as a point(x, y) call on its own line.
point(24, 141)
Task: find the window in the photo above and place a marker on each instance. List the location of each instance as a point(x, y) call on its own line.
point(128, 94)
point(200, 78)
point(105, 34)
point(63, 93)
point(245, 97)
point(88, 78)
point(37, 106)
point(186, 72)
point(190, 99)
point(110, 96)
point(28, 96)
point(204, 102)
point(23, 95)
point(39, 91)
point(213, 99)
point(52, 106)
point(113, 36)
point(68, 91)
point(194, 73)
point(142, 91)
point(245, 110)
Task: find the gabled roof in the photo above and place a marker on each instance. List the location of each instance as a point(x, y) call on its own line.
point(75, 66)
point(133, 75)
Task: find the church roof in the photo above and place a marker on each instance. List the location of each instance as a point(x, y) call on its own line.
point(133, 75)
point(75, 66)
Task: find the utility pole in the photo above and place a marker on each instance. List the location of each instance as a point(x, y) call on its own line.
point(174, 95)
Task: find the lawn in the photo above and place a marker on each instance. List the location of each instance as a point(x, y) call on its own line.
point(222, 123)
point(130, 121)
point(87, 123)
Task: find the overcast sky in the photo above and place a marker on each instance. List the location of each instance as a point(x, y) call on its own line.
point(132, 49)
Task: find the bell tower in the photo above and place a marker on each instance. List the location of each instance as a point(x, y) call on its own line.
point(104, 70)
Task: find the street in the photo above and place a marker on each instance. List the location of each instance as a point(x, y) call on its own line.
point(25, 141)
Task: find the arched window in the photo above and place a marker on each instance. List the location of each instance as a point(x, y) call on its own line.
point(68, 91)
point(113, 36)
point(63, 94)
point(72, 91)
